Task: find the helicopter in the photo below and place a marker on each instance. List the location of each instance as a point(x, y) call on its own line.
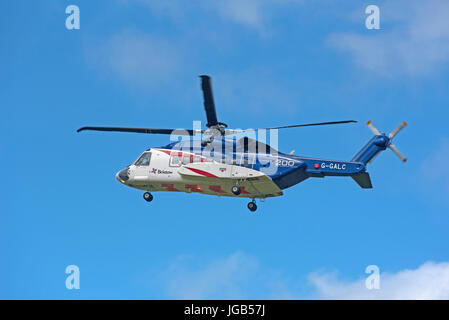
point(224, 164)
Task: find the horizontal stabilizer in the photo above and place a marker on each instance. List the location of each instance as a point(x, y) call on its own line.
point(363, 180)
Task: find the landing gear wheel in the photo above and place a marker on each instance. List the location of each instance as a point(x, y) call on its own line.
point(252, 206)
point(148, 196)
point(236, 190)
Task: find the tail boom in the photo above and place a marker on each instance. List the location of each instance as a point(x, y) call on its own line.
point(377, 144)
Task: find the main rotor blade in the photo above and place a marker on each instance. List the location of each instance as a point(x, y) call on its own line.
point(141, 130)
point(304, 125)
point(209, 104)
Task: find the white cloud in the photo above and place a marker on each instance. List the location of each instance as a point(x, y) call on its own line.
point(240, 276)
point(258, 90)
point(254, 14)
point(429, 281)
point(222, 278)
point(135, 57)
point(247, 12)
point(172, 8)
point(413, 40)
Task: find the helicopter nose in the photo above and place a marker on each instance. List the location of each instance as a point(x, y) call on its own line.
point(123, 175)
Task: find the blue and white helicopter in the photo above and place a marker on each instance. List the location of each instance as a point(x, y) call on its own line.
point(222, 164)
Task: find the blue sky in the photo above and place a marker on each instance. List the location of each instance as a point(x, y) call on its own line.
point(135, 63)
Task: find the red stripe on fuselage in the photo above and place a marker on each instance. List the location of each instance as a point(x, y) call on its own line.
point(203, 173)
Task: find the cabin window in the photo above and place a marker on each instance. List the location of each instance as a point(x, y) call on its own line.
point(196, 158)
point(186, 159)
point(231, 160)
point(144, 159)
point(175, 160)
point(247, 161)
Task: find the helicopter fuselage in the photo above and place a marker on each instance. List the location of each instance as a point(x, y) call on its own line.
point(177, 168)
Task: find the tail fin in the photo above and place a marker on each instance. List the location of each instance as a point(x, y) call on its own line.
point(363, 180)
point(378, 143)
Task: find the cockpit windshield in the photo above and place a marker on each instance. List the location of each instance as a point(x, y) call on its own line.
point(144, 159)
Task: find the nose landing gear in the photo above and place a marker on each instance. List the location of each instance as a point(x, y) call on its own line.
point(148, 197)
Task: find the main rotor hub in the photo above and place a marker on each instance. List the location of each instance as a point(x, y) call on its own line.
point(216, 130)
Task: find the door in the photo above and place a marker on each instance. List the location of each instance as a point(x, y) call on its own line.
point(142, 167)
point(244, 162)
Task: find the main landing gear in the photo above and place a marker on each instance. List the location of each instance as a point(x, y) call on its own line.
point(236, 190)
point(148, 197)
point(252, 206)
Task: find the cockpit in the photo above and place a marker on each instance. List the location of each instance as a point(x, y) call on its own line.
point(144, 159)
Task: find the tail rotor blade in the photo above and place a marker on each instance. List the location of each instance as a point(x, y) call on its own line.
point(396, 151)
point(398, 128)
point(373, 128)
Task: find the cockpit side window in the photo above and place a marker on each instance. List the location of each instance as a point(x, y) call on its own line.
point(144, 159)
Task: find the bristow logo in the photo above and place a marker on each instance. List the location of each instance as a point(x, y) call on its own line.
point(159, 171)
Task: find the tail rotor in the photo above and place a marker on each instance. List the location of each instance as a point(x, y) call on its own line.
point(390, 138)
